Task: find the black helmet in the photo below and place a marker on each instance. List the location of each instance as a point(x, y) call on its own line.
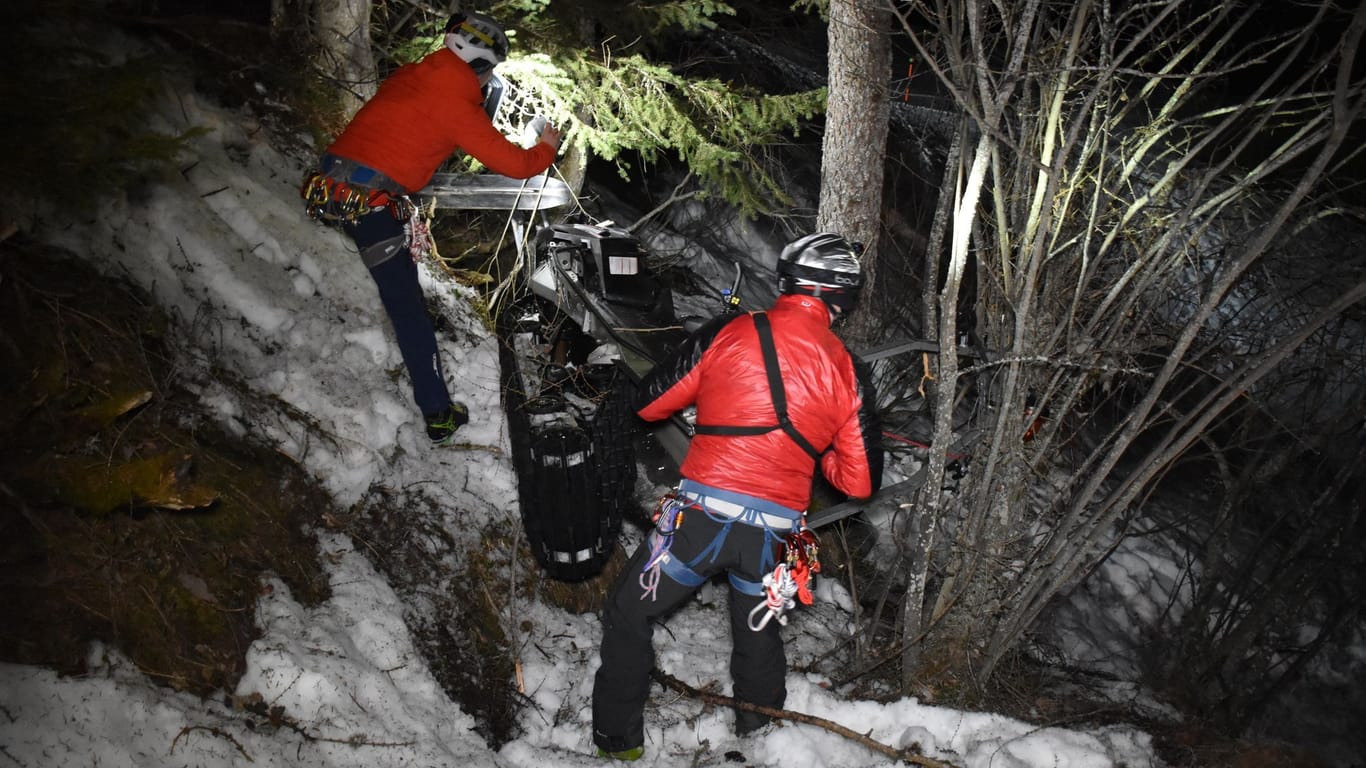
point(824, 265)
point(477, 39)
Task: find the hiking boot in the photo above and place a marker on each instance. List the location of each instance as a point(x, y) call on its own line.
point(747, 722)
point(629, 755)
point(441, 426)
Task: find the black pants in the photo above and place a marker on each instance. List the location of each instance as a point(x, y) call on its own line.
point(758, 666)
point(380, 239)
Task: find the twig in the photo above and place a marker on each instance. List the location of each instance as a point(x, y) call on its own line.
point(214, 731)
point(669, 681)
point(676, 196)
point(493, 449)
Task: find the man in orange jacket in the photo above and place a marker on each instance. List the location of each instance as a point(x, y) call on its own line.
point(420, 115)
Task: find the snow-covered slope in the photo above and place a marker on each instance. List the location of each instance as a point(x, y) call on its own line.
point(284, 308)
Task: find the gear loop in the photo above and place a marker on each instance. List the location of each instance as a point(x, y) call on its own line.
point(790, 581)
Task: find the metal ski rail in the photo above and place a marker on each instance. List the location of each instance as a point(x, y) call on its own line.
point(837, 512)
point(492, 192)
point(902, 346)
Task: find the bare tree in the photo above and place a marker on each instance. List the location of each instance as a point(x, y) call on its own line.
point(1117, 202)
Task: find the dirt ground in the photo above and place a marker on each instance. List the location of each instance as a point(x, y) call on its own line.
point(126, 516)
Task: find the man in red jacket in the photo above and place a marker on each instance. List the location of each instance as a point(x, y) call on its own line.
point(777, 393)
point(419, 116)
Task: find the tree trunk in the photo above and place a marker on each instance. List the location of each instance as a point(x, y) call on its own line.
point(342, 30)
point(854, 148)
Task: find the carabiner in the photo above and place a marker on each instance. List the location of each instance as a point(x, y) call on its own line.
point(764, 621)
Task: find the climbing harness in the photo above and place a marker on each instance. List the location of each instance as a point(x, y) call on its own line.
point(775, 386)
point(334, 201)
point(790, 578)
point(725, 508)
point(331, 201)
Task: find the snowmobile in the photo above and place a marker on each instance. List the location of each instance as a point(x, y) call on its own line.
point(586, 320)
point(593, 321)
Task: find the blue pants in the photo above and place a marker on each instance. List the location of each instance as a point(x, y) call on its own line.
point(379, 236)
point(758, 665)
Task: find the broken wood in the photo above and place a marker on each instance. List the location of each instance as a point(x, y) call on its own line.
point(906, 756)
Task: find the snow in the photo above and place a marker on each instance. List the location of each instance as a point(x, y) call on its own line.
point(286, 307)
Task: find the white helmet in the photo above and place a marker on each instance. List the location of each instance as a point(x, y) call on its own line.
point(824, 265)
point(478, 40)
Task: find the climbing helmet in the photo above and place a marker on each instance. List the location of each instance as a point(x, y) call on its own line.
point(478, 40)
point(824, 265)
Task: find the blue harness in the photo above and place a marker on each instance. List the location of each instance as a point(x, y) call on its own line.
point(776, 521)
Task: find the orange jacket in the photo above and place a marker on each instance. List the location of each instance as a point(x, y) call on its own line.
point(421, 115)
point(830, 398)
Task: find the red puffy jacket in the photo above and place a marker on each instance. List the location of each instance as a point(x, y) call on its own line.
point(830, 401)
point(421, 115)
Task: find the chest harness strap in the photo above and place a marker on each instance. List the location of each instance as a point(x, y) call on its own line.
point(776, 391)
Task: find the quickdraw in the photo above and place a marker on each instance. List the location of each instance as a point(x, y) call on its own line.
point(332, 201)
point(790, 579)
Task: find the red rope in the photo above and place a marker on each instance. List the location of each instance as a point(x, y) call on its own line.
point(918, 444)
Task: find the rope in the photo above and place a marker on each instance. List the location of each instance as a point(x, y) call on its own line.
point(779, 589)
point(790, 579)
point(418, 232)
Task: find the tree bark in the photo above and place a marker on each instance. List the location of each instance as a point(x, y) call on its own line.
point(854, 147)
point(342, 30)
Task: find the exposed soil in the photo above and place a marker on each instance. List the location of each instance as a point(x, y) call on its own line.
point(128, 518)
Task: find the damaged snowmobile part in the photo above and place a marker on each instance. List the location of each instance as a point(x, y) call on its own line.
point(492, 192)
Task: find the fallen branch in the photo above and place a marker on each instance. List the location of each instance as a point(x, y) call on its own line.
point(669, 681)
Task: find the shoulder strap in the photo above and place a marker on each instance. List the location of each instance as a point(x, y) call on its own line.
point(775, 385)
point(776, 391)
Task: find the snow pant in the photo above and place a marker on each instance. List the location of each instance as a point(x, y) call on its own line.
point(382, 244)
point(758, 666)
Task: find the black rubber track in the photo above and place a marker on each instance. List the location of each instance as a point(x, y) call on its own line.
point(575, 481)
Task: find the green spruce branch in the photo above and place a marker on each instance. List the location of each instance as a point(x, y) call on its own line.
point(629, 110)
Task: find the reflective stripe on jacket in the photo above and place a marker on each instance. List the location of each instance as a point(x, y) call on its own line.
point(421, 115)
point(831, 402)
